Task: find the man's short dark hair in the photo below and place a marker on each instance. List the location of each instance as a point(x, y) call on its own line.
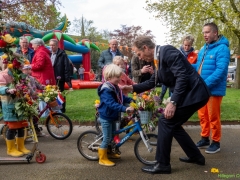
point(213, 26)
point(140, 41)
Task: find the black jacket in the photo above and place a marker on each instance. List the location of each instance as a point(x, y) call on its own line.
point(177, 73)
point(61, 66)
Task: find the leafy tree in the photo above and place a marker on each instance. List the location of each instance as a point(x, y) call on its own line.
point(126, 36)
point(188, 16)
point(84, 29)
point(81, 27)
point(41, 14)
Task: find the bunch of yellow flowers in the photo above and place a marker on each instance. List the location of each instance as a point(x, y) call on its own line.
point(49, 94)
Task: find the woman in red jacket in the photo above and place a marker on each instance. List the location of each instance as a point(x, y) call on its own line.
point(42, 68)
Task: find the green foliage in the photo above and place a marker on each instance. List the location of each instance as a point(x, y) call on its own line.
point(188, 17)
point(39, 21)
point(41, 14)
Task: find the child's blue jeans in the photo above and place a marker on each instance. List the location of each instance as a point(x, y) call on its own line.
point(81, 76)
point(107, 128)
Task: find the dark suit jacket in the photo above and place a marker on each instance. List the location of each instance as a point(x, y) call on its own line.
point(62, 66)
point(177, 73)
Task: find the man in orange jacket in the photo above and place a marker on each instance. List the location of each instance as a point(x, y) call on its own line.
point(212, 65)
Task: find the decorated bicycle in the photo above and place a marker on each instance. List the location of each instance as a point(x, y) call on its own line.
point(58, 124)
point(148, 107)
point(145, 146)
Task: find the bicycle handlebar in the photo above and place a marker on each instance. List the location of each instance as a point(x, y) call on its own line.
point(129, 111)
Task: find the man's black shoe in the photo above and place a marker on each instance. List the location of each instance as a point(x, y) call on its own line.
point(157, 169)
point(199, 161)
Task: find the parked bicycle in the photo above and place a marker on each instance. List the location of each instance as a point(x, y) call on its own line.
point(144, 148)
point(58, 124)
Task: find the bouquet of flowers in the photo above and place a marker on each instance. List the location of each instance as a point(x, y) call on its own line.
point(49, 93)
point(52, 95)
point(25, 105)
point(148, 101)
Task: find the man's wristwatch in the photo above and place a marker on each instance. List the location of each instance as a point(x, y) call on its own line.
point(174, 103)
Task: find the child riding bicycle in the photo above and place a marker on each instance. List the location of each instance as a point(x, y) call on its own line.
point(111, 104)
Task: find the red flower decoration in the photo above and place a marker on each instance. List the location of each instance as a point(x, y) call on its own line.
point(2, 43)
point(16, 64)
point(30, 102)
point(5, 61)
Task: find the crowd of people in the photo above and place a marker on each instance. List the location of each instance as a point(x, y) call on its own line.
point(196, 83)
point(42, 67)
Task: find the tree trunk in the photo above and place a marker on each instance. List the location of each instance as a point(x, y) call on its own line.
point(237, 75)
point(237, 79)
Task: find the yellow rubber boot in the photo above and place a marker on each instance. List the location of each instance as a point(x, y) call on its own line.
point(20, 145)
point(103, 159)
point(12, 150)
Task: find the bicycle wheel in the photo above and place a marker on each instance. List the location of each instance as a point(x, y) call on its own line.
point(141, 151)
point(60, 127)
point(98, 124)
point(84, 140)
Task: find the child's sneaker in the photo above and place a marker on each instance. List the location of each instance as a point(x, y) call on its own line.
point(203, 143)
point(213, 148)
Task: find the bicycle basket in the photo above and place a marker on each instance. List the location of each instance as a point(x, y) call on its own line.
point(53, 103)
point(145, 116)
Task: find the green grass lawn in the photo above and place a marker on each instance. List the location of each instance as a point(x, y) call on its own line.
point(80, 105)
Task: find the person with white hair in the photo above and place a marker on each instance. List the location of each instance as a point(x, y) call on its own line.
point(24, 49)
point(42, 68)
point(107, 56)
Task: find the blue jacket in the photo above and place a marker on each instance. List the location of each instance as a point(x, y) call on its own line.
point(215, 65)
point(8, 103)
point(29, 54)
point(110, 107)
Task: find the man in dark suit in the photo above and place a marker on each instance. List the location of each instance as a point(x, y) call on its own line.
point(189, 93)
point(61, 67)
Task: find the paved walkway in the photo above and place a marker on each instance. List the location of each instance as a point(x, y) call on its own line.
point(64, 162)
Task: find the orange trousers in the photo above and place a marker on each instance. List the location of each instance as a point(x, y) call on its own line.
point(209, 116)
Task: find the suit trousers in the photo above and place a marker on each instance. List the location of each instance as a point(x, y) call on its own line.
point(169, 128)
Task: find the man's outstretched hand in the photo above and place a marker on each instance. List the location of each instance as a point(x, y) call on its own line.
point(127, 88)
